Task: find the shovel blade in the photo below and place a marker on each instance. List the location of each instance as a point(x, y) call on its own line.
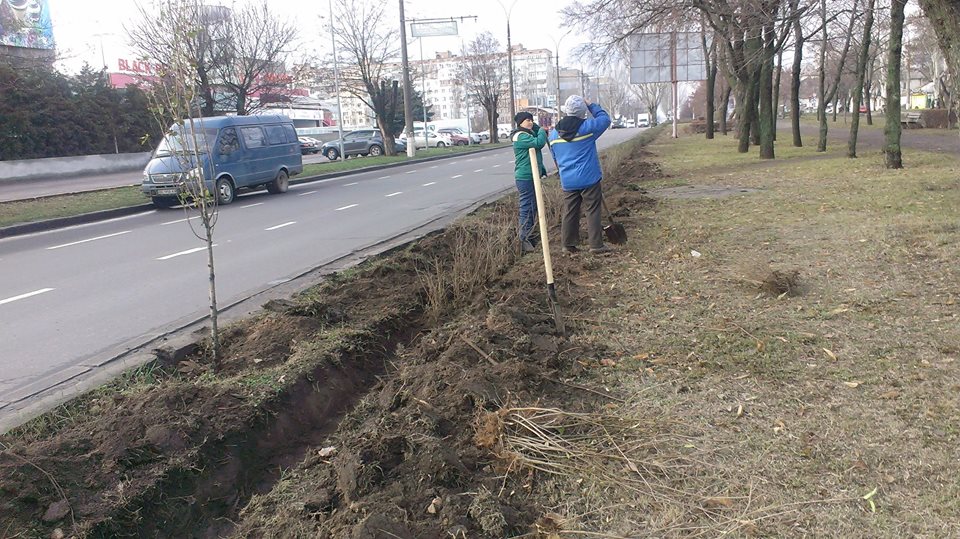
point(615, 233)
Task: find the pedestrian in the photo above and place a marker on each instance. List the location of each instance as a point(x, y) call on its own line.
point(574, 147)
point(527, 135)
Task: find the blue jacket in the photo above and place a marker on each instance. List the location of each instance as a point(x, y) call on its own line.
point(574, 147)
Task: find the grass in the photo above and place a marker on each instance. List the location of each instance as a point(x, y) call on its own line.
point(52, 207)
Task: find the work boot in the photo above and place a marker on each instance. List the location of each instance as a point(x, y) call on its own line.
point(570, 249)
point(600, 250)
point(527, 247)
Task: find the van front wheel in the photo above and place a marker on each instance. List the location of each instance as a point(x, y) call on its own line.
point(225, 192)
point(280, 184)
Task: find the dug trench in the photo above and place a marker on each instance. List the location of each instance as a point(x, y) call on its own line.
point(359, 408)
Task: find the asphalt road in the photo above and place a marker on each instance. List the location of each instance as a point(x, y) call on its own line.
point(73, 300)
point(41, 187)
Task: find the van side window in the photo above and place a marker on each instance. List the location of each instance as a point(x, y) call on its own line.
point(275, 134)
point(291, 133)
point(228, 141)
point(252, 137)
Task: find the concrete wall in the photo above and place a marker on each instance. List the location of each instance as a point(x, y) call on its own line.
point(27, 169)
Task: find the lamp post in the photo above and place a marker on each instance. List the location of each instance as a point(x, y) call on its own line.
point(556, 46)
point(513, 100)
point(407, 88)
point(336, 82)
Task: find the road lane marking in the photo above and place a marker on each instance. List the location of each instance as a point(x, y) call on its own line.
point(347, 207)
point(181, 253)
point(394, 194)
point(307, 193)
point(411, 172)
point(247, 206)
point(457, 176)
point(429, 184)
point(27, 295)
point(349, 184)
point(479, 170)
point(495, 166)
point(281, 226)
point(435, 166)
point(383, 177)
point(182, 220)
point(88, 239)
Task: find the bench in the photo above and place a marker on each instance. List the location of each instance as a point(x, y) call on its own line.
point(911, 120)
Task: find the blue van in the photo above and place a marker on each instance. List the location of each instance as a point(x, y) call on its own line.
point(235, 152)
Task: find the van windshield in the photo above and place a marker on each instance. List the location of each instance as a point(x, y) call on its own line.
point(181, 141)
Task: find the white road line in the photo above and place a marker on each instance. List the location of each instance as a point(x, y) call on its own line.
point(27, 295)
point(251, 205)
point(394, 194)
point(349, 184)
point(457, 176)
point(411, 172)
point(347, 207)
point(435, 166)
point(182, 220)
point(429, 184)
point(305, 194)
point(88, 239)
point(479, 170)
point(495, 166)
point(281, 226)
point(383, 177)
point(187, 252)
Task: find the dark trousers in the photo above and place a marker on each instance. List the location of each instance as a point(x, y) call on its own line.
point(591, 197)
point(528, 208)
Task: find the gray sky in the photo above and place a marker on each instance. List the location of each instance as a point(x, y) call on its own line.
point(80, 28)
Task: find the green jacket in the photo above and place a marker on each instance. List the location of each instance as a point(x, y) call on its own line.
point(522, 142)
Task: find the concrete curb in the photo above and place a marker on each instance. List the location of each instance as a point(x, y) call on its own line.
point(92, 217)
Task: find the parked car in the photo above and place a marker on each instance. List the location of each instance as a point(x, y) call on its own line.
point(232, 152)
point(309, 145)
point(458, 137)
point(433, 139)
point(618, 125)
point(359, 142)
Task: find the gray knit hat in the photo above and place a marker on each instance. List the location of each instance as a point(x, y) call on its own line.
point(575, 106)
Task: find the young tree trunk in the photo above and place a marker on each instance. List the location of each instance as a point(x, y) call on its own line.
point(868, 99)
point(711, 57)
point(766, 117)
point(861, 77)
point(795, 76)
point(724, 108)
point(828, 95)
point(893, 157)
point(745, 112)
point(778, 75)
point(755, 121)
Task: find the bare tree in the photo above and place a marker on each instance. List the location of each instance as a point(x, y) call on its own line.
point(944, 16)
point(828, 91)
point(255, 46)
point(484, 75)
point(368, 43)
point(861, 73)
point(174, 96)
point(893, 157)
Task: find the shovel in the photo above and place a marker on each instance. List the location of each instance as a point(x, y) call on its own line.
point(614, 232)
point(545, 244)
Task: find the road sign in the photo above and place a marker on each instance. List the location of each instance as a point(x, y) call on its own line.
point(433, 28)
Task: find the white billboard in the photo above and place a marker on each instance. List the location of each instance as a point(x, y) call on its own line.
point(651, 57)
point(433, 28)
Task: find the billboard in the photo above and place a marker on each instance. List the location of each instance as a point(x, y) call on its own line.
point(651, 57)
point(26, 24)
point(433, 28)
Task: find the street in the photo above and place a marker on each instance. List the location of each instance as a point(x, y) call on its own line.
point(72, 300)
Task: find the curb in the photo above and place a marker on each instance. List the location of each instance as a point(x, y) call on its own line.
point(92, 217)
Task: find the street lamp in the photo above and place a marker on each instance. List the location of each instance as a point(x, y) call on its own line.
point(556, 46)
point(513, 101)
point(336, 82)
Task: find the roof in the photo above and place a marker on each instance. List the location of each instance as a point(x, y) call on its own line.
point(216, 122)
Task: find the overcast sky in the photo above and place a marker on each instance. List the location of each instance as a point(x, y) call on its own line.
point(80, 28)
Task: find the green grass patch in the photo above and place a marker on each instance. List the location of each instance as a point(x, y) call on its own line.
point(39, 209)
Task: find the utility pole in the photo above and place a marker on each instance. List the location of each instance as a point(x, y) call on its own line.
point(336, 82)
point(407, 90)
point(513, 98)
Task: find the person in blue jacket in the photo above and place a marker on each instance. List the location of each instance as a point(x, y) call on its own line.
point(527, 135)
point(574, 147)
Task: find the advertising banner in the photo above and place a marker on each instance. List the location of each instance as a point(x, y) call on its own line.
point(26, 24)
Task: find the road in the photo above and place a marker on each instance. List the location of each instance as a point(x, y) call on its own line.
point(41, 187)
point(73, 300)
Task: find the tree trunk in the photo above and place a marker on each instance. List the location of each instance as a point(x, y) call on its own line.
point(893, 157)
point(868, 99)
point(795, 76)
point(725, 109)
point(778, 75)
point(830, 94)
point(767, 117)
point(755, 84)
point(745, 107)
point(711, 84)
point(861, 77)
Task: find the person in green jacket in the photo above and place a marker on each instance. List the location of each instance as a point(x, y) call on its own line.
point(527, 135)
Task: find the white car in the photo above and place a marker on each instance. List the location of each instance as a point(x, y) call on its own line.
point(433, 140)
